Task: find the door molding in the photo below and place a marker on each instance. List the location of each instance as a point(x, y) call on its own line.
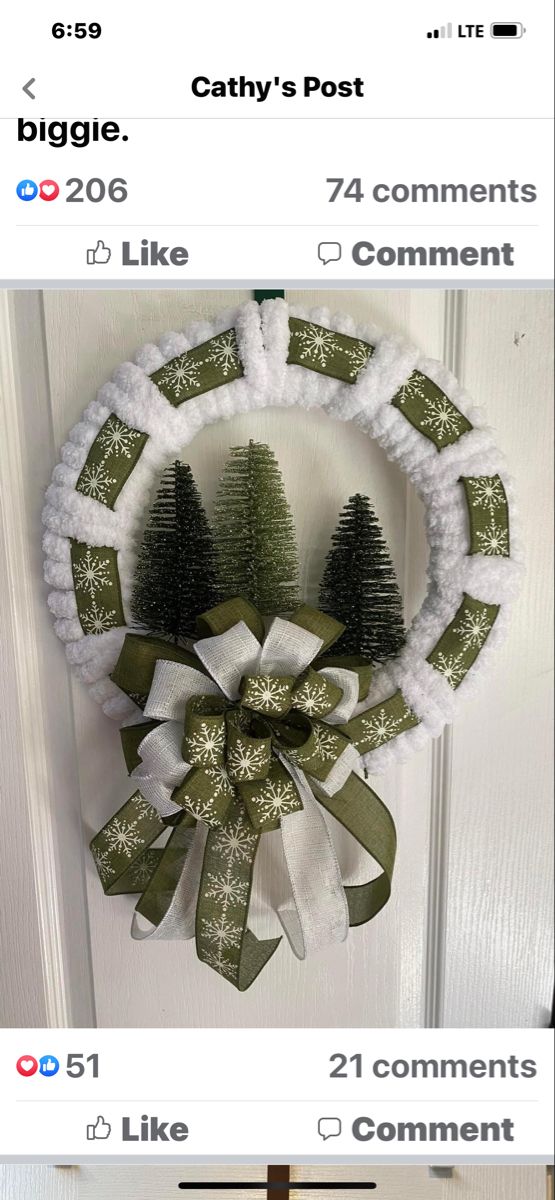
point(454, 338)
point(35, 742)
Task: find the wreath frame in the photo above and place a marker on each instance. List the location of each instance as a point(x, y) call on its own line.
point(276, 355)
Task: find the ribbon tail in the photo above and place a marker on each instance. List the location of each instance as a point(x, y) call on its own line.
point(223, 940)
point(169, 901)
point(319, 916)
point(121, 851)
point(167, 877)
point(366, 817)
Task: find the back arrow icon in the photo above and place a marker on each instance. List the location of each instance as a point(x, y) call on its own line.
point(27, 86)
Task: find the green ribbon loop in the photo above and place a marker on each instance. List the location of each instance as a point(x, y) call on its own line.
point(204, 738)
point(238, 785)
point(318, 623)
point(312, 746)
point(247, 757)
point(224, 616)
point(267, 694)
point(131, 738)
point(206, 793)
point(272, 798)
point(315, 695)
point(134, 670)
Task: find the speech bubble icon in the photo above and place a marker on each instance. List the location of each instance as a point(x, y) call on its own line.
point(329, 1127)
point(329, 252)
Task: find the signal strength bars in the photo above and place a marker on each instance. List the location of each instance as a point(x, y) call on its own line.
point(444, 31)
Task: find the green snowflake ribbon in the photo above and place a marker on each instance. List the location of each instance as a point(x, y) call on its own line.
point(241, 759)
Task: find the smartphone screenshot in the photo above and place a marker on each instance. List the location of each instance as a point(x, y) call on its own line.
point(276, 601)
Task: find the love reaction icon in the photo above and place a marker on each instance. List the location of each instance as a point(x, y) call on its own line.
point(48, 189)
point(27, 1066)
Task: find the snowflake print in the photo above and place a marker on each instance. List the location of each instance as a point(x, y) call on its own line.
point(359, 355)
point(311, 698)
point(91, 574)
point(227, 890)
point(276, 800)
point(94, 481)
point(224, 352)
point(122, 836)
point(494, 539)
point(327, 743)
point(98, 620)
point(487, 492)
point(317, 344)
point(180, 374)
point(222, 932)
point(236, 842)
point(142, 870)
point(203, 810)
point(143, 809)
point(221, 783)
point(207, 744)
point(413, 388)
point(267, 693)
point(220, 964)
point(246, 762)
point(452, 667)
point(473, 628)
point(442, 417)
point(117, 438)
point(103, 864)
point(379, 729)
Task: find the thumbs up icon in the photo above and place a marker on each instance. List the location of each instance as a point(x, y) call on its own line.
point(100, 1131)
point(48, 1065)
point(101, 254)
point(27, 189)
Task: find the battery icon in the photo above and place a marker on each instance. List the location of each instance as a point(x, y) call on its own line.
point(507, 29)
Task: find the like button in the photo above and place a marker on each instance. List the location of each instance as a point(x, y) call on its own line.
point(99, 1132)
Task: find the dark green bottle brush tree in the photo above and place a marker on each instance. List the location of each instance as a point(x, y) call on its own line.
point(175, 578)
point(359, 585)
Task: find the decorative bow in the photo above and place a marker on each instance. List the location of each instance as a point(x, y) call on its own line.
point(248, 734)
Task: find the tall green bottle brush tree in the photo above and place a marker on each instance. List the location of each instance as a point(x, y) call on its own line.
point(359, 585)
point(254, 532)
point(175, 579)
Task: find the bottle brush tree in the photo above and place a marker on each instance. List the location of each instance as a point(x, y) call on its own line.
point(359, 586)
point(175, 579)
point(254, 532)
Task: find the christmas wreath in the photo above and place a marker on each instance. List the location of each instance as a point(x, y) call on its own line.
point(242, 709)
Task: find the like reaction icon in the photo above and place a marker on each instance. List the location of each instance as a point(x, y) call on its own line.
point(100, 1131)
point(27, 1066)
point(49, 1066)
point(27, 189)
point(100, 255)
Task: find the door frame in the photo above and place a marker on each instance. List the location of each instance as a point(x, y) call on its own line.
point(44, 856)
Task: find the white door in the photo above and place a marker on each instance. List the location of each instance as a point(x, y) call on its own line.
point(161, 1183)
point(466, 937)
